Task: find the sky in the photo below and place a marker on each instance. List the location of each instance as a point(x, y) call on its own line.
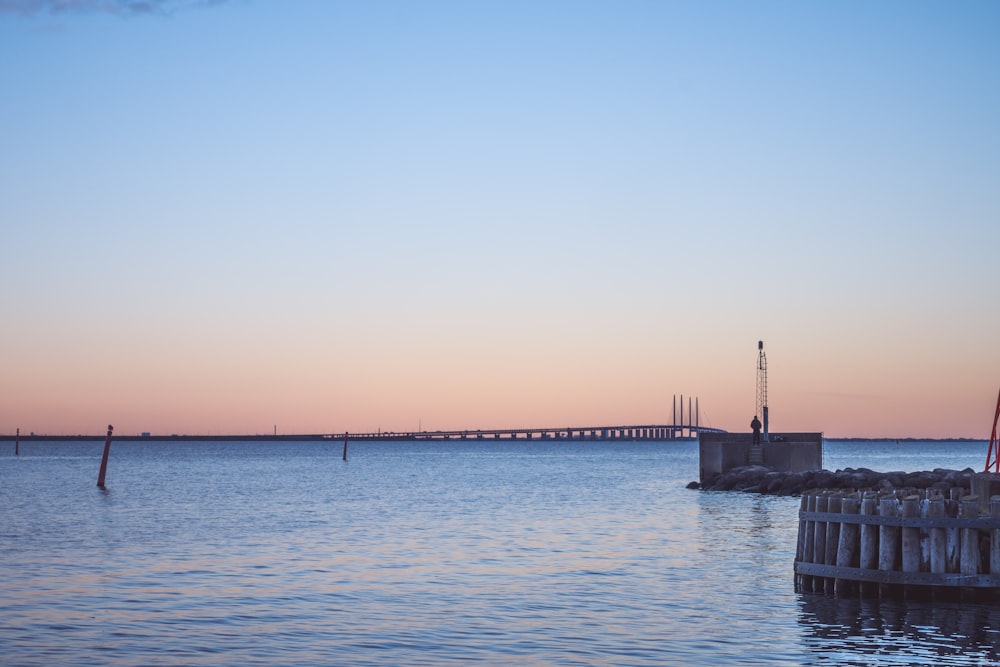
point(317, 216)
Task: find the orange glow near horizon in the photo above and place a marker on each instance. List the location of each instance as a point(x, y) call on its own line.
point(383, 390)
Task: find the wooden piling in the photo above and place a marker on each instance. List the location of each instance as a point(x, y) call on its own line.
point(833, 504)
point(819, 530)
point(17, 443)
point(345, 446)
point(995, 535)
point(910, 543)
point(847, 548)
point(925, 535)
point(951, 534)
point(804, 548)
point(970, 537)
point(800, 535)
point(888, 535)
point(869, 534)
point(938, 539)
point(844, 544)
point(810, 530)
point(104, 459)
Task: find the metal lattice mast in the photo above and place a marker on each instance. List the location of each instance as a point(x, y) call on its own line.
point(762, 387)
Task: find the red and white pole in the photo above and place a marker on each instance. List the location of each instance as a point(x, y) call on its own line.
point(993, 455)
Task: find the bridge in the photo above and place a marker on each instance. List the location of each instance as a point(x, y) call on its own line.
point(676, 430)
point(642, 432)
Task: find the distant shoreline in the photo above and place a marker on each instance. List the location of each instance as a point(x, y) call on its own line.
point(388, 436)
point(169, 438)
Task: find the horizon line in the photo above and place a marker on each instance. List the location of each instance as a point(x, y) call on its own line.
point(401, 436)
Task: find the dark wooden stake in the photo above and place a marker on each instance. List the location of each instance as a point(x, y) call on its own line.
point(345, 446)
point(104, 459)
point(17, 443)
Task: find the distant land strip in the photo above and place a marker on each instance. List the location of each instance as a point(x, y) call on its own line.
point(291, 437)
point(36, 437)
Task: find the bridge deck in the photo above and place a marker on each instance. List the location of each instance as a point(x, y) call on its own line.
point(654, 432)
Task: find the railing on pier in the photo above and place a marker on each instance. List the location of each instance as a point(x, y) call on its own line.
point(851, 540)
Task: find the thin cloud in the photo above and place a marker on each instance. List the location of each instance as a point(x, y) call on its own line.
point(122, 7)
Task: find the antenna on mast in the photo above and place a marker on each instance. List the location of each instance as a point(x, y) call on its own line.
point(762, 387)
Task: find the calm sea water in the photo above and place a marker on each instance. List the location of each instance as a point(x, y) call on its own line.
point(495, 553)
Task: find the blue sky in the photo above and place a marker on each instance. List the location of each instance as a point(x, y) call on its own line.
point(359, 215)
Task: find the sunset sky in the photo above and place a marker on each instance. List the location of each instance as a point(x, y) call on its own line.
point(318, 216)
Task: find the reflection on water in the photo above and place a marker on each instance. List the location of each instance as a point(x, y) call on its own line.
point(869, 631)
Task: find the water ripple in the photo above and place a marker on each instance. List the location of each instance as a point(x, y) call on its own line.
point(498, 554)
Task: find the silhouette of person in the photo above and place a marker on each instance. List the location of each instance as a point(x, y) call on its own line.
point(755, 425)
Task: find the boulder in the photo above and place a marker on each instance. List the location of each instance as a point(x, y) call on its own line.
point(760, 479)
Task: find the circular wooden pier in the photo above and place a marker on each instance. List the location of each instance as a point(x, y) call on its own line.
point(910, 540)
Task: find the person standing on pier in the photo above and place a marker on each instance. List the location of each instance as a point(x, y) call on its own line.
point(755, 425)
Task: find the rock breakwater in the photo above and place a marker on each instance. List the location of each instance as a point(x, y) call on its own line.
point(761, 479)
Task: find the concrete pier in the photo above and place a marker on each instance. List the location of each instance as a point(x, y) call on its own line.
point(786, 452)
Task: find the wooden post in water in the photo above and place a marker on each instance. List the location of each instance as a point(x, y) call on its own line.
point(951, 534)
point(848, 543)
point(888, 539)
point(888, 536)
point(939, 540)
point(868, 556)
point(808, 542)
point(832, 539)
point(17, 443)
point(345, 445)
point(869, 534)
point(104, 459)
point(800, 540)
point(995, 537)
point(925, 534)
point(832, 531)
point(808, 539)
point(819, 540)
point(911, 535)
point(970, 537)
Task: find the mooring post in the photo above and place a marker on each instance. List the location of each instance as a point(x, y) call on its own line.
point(847, 550)
point(800, 544)
point(345, 445)
point(868, 559)
point(17, 443)
point(888, 536)
point(939, 537)
point(833, 505)
point(995, 536)
point(819, 535)
point(808, 540)
point(969, 560)
point(104, 459)
point(868, 541)
point(910, 539)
